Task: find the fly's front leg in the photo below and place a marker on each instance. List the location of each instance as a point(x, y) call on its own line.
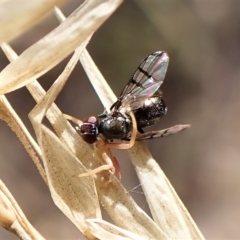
point(110, 163)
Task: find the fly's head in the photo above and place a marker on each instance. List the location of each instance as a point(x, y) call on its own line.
point(88, 130)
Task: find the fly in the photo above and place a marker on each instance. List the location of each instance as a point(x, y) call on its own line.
point(140, 97)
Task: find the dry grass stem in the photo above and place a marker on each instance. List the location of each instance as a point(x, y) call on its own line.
point(8, 114)
point(97, 80)
point(13, 219)
point(107, 231)
point(61, 165)
point(58, 162)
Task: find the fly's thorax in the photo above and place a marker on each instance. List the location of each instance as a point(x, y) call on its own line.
point(150, 112)
point(115, 126)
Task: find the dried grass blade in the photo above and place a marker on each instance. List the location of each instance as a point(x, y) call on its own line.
point(15, 19)
point(12, 217)
point(45, 54)
point(69, 193)
point(77, 199)
point(93, 73)
point(8, 114)
point(97, 80)
point(106, 231)
point(63, 129)
point(125, 212)
point(167, 209)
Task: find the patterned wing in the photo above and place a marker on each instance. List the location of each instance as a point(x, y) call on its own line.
point(145, 81)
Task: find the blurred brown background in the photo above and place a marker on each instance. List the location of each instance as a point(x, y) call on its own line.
point(202, 38)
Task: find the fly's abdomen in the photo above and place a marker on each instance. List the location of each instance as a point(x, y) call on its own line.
point(151, 111)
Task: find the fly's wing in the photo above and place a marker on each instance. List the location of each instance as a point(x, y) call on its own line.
point(146, 80)
point(162, 133)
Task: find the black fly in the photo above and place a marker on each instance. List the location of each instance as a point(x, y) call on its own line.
point(140, 96)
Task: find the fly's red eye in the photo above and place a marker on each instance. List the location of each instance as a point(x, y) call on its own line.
point(88, 130)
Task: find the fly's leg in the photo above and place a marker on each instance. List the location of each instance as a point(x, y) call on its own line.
point(109, 161)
